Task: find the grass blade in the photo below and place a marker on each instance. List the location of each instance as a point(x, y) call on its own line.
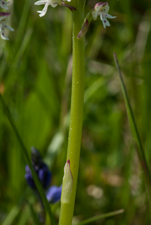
point(137, 141)
point(105, 215)
point(27, 159)
point(11, 216)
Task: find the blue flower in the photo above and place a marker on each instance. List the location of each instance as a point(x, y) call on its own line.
point(40, 168)
point(54, 194)
point(43, 173)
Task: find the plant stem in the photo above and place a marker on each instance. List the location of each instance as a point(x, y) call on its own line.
point(76, 117)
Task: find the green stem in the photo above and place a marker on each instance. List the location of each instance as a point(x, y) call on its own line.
point(76, 117)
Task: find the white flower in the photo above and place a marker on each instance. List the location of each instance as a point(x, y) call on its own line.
point(101, 9)
point(3, 25)
point(4, 4)
point(53, 3)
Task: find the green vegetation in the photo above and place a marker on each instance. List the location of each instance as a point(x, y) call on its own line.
point(35, 83)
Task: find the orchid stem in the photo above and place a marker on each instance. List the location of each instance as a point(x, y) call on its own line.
point(76, 117)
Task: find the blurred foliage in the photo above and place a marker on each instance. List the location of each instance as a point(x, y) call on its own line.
point(35, 81)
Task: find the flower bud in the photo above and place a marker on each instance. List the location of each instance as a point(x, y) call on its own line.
point(40, 168)
point(83, 30)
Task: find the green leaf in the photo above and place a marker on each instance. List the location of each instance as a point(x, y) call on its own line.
point(25, 153)
point(137, 141)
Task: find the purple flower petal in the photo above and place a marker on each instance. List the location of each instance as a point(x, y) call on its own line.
point(27, 169)
point(54, 194)
point(30, 180)
point(44, 177)
point(43, 173)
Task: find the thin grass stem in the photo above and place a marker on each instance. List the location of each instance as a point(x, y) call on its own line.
point(136, 137)
point(105, 215)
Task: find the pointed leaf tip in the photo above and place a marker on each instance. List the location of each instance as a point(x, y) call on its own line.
point(67, 183)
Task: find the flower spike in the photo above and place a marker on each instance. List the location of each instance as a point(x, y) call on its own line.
point(4, 4)
point(101, 9)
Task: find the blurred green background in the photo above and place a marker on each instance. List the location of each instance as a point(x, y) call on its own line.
point(35, 81)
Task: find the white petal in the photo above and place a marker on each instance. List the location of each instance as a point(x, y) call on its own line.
point(99, 6)
point(9, 28)
point(40, 3)
point(105, 9)
point(45, 8)
point(43, 12)
point(110, 17)
point(3, 5)
point(102, 7)
point(3, 35)
point(107, 23)
point(2, 17)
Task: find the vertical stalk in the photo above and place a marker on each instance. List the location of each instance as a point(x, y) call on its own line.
point(76, 117)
